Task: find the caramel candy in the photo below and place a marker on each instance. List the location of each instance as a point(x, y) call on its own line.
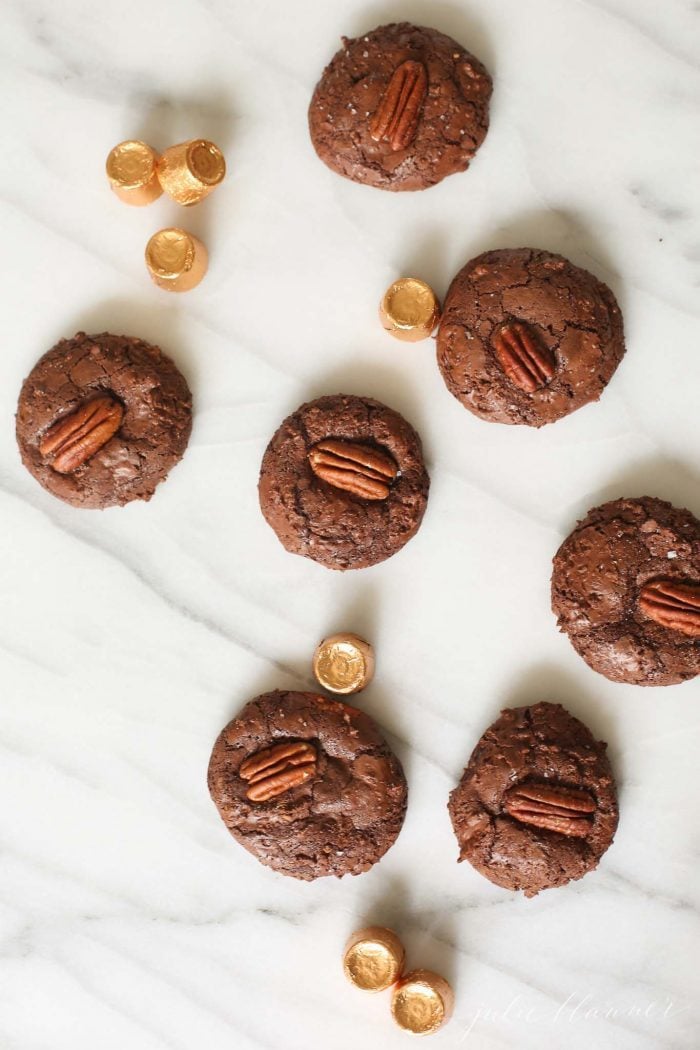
point(373, 959)
point(131, 170)
point(176, 260)
point(189, 171)
point(422, 1002)
point(344, 663)
point(409, 310)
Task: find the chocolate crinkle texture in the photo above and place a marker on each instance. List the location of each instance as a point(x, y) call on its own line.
point(545, 746)
point(598, 575)
point(570, 314)
point(337, 528)
point(153, 432)
point(339, 822)
point(452, 119)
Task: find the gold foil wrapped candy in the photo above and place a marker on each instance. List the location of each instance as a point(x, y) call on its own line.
point(131, 170)
point(176, 259)
point(422, 1002)
point(190, 171)
point(344, 663)
point(409, 310)
point(373, 959)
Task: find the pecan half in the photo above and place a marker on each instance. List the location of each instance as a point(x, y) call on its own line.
point(364, 470)
point(673, 604)
point(396, 118)
point(73, 440)
point(524, 359)
point(274, 770)
point(552, 807)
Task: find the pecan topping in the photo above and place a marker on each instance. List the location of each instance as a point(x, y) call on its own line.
point(524, 359)
point(274, 770)
point(396, 118)
point(552, 808)
point(72, 441)
point(364, 470)
point(672, 604)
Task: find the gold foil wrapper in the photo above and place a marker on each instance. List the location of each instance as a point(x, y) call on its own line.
point(344, 663)
point(131, 170)
point(422, 1002)
point(410, 310)
point(176, 259)
point(190, 171)
point(373, 959)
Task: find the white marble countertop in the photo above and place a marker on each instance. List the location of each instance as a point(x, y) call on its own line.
point(128, 917)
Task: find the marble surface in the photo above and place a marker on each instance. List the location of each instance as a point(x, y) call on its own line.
point(128, 917)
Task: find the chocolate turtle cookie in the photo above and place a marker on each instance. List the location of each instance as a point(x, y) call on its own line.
point(626, 590)
point(400, 108)
point(343, 482)
point(102, 419)
point(308, 785)
point(536, 806)
point(527, 337)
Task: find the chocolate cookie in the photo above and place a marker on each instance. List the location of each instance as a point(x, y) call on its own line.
point(308, 785)
point(343, 482)
point(400, 108)
point(626, 590)
point(536, 806)
point(102, 419)
point(527, 337)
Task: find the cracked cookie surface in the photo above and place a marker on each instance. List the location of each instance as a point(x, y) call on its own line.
point(153, 432)
point(339, 822)
point(539, 745)
point(570, 313)
point(334, 527)
point(453, 118)
point(598, 573)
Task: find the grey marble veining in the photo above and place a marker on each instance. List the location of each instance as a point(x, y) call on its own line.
point(128, 637)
